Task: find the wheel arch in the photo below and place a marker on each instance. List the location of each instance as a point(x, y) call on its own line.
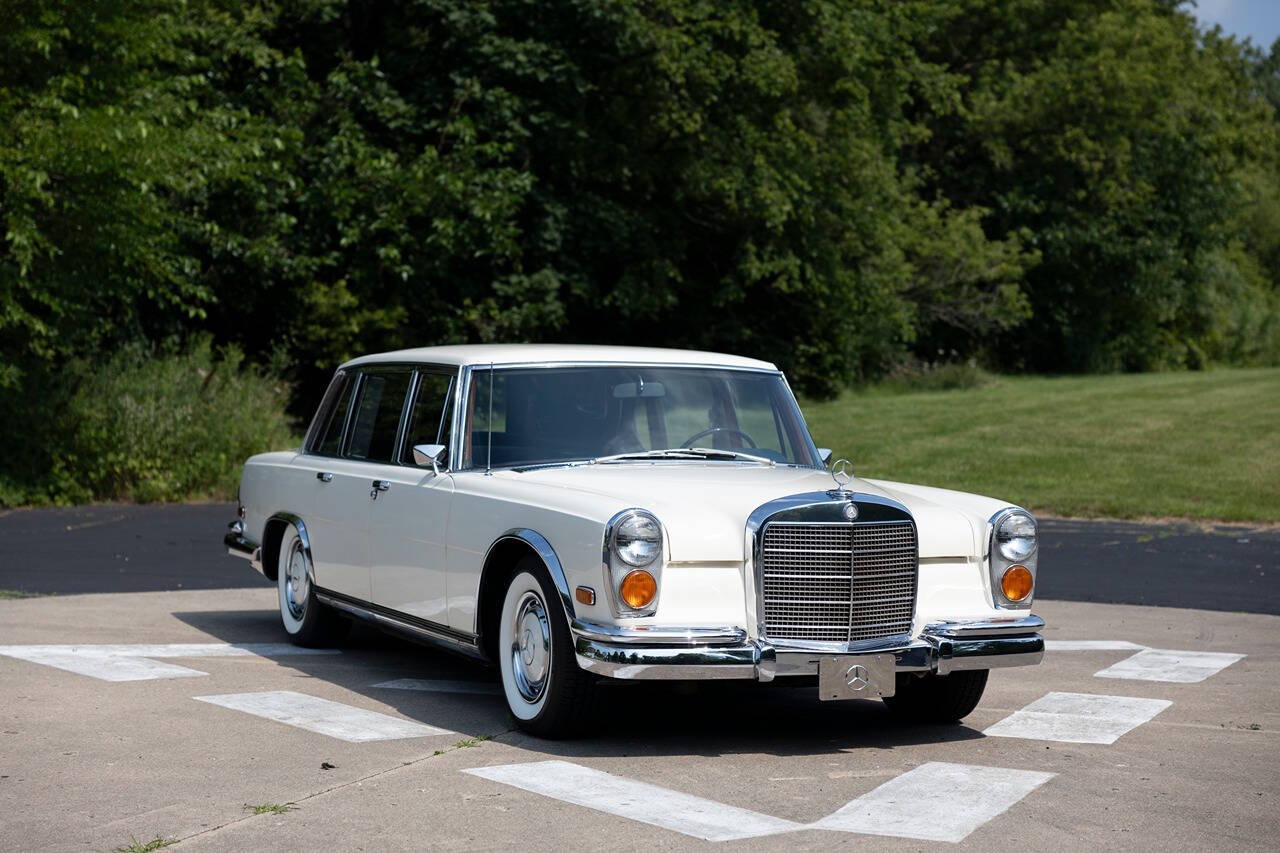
point(273, 535)
point(499, 561)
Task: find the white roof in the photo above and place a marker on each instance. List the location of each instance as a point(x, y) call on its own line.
point(509, 354)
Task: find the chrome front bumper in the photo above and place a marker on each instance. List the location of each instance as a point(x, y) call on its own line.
point(648, 652)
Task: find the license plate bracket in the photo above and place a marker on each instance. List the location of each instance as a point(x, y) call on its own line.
point(856, 676)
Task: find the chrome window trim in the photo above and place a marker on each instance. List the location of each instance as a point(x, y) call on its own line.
point(388, 367)
point(357, 375)
point(326, 405)
point(815, 508)
point(466, 389)
point(354, 379)
point(412, 399)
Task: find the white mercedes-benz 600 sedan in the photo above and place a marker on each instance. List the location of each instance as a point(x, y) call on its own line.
point(573, 513)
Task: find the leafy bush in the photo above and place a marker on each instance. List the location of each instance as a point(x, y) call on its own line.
point(938, 376)
point(155, 428)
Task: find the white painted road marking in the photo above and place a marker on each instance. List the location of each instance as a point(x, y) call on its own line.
point(936, 801)
point(133, 662)
point(440, 686)
point(1170, 665)
point(1091, 646)
point(314, 714)
point(1078, 718)
point(617, 795)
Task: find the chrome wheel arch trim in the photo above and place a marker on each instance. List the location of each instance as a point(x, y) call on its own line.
point(290, 519)
point(546, 554)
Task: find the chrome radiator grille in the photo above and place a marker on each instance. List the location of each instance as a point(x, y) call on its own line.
point(838, 583)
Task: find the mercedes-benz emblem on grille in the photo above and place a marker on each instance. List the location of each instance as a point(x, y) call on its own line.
point(856, 676)
point(851, 511)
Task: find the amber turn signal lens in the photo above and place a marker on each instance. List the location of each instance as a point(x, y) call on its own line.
point(638, 589)
point(1016, 583)
point(585, 595)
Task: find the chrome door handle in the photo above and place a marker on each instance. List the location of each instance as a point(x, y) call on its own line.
point(324, 476)
point(379, 486)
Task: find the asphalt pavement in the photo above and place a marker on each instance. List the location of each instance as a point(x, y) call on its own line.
point(130, 548)
point(184, 717)
point(149, 694)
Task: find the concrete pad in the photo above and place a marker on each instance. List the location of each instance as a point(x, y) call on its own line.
point(323, 716)
point(693, 816)
point(132, 662)
point(1171, 666)
point(90, 763)
point(1078, 718)
point(969, 796)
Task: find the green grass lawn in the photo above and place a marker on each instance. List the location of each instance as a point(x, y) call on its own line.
point(1182, 445)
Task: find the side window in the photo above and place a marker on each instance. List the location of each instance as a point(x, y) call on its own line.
point(486, 413)
point(377, 416)
point(429, 418)
point(333, 416)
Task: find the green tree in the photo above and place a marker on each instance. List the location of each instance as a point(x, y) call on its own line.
point(1116, 138)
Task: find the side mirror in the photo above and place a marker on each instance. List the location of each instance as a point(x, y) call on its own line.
point(824, 453)
point(431, 455)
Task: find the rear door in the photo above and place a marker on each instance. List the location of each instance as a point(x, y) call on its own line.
point(335, 509)
point(408, 520)
point(346, 466)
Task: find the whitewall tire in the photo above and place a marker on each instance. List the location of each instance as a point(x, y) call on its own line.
point(306, 620)
point(546, 691)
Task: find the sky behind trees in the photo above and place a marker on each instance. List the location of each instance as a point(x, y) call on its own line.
point(1258, 20)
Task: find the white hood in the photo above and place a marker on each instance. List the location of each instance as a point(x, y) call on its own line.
point(704, 506)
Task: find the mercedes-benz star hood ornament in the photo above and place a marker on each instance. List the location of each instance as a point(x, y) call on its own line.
point(842, 473)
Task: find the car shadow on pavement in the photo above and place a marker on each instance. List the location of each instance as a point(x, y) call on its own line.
point(781, 718)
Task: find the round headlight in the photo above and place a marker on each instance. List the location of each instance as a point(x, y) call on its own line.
point(1016, 537)
point(637, 539)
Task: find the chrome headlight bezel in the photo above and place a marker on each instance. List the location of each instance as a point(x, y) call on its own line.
point(1005, 552)
point(617, 564)
point(633, 527)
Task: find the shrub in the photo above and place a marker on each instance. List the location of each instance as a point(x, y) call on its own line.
point(939, 376)
point(163, 428)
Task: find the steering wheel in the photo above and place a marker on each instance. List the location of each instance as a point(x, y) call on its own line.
point(751, 442)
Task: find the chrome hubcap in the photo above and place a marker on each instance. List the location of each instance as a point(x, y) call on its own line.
point(296, 582)
point(531, 647)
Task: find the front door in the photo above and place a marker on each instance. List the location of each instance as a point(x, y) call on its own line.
point(409, 518)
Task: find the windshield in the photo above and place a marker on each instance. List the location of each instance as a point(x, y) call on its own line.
point(551, 415)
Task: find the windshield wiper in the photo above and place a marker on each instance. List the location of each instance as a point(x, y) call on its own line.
point(683, 453)
point(563, 463)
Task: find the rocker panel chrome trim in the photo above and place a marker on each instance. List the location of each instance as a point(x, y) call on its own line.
point(410, 626)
